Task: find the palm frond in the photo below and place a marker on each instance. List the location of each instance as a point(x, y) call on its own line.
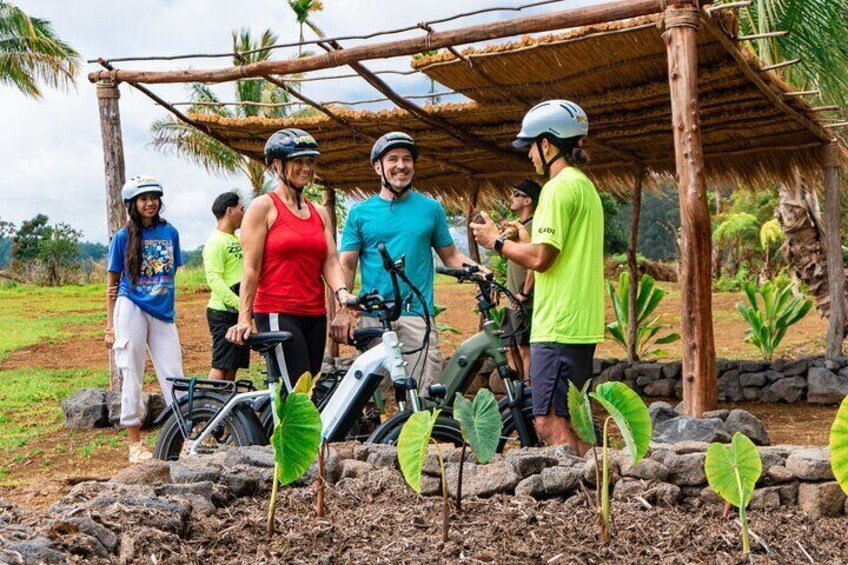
point(171, 136)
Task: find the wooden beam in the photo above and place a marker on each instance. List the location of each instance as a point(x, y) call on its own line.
point(115, 175)
point(433, 120)
point(775, 97)
point(473, 198)
point(699, 379)
point(766, 35)
point(633, 268)
point(589, 15)
point(329, 201)
point(833, 249)
point(780, 65)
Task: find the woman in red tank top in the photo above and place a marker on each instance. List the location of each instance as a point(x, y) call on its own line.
point(289, 255)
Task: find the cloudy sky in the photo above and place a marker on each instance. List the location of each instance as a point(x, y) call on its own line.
point(50, 149)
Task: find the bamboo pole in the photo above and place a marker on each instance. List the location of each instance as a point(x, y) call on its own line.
point(115, 175)
point(681, 20)
point(833, 249)
point(589, 15)
point(330, 204)
point(632, 267)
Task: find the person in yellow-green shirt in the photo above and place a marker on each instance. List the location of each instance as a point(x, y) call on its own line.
point(566, 251)
point(223, 263)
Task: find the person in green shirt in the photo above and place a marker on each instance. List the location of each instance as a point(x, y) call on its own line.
point(223, 263)
point(566, 251)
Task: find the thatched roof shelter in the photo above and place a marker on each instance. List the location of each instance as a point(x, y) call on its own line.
point(752, 127)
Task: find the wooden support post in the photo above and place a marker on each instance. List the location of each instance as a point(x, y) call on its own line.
point(332, 348)
point(833, 247)
point(632, 267)
point(115, 174)
point(681, 21)
point(473, 249)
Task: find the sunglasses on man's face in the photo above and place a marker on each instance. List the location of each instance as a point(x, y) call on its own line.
point(519, 194)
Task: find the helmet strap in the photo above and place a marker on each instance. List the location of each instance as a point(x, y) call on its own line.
point(398, 194)
point(546, 164)
point(298, 196)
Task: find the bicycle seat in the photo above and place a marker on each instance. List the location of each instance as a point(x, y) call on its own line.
point(264, 341)
point(363, 336)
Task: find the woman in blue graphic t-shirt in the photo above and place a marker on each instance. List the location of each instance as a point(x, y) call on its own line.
point(143, 260)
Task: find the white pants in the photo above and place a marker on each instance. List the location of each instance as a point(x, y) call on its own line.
point(135, 331)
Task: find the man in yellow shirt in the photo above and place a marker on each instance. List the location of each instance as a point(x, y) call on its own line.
point(566, 251)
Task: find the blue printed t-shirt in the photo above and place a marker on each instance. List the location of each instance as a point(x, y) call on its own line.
point(154, 291)
point(411, 226)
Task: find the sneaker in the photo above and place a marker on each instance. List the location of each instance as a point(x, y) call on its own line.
point(139, 453)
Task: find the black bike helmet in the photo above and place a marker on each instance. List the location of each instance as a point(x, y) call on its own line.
point(393, 140)
point(290, 143)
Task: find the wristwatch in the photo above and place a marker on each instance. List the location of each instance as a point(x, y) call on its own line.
point(498, 246)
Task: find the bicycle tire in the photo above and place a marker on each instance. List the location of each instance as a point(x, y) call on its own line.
point(446, 429)
point(508, 429)
point(240, 428)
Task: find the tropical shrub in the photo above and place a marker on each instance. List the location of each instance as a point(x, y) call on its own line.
point(414, 439)
point(781, 309)
point(481, 426)
point(839, 446)
point(648, 298)
point(296, 439)
point(633, 420)
point(732, 471)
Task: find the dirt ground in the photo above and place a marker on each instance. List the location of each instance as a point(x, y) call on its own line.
point(45, 468)
point(379, 520)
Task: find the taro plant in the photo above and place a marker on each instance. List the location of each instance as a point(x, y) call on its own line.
point(732, 471)
point(415, 437)
point(627, 410)
point(441, 326)
point(481, 426)
point(781, 308)
point(648, 326)
point(839, 446)
point(296, 439)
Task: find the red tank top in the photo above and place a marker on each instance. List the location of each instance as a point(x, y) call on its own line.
point(295, 249)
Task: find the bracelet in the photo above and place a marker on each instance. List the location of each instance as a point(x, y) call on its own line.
point(109, 330)
point(338, 290)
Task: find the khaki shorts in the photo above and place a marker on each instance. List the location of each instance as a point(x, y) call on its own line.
point(410, 330)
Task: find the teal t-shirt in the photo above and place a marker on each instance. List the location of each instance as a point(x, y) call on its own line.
point(411, 226)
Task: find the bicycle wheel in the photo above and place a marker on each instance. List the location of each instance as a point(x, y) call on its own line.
point(446, 429)
point(509, 433)
point(240, 427)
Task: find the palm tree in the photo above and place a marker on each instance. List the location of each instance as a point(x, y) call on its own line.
point(302, 10)
point(175, 137)
point(31, 53)
point(818, 35)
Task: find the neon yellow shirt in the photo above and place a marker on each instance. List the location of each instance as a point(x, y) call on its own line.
point(569, 296)
point(223, 263)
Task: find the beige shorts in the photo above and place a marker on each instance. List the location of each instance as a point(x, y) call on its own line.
point(410, 330)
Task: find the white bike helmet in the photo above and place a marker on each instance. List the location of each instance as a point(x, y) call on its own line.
point(141, 184)
point(560, 119)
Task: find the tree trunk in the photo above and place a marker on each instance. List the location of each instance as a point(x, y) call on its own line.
point(115, 173)
point(330, 204)
point(835, 268)
point(804, 249)
point(699, 380)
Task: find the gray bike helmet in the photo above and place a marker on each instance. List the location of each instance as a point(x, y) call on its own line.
point(140, 184)
point(393, 140)
point(290, 143)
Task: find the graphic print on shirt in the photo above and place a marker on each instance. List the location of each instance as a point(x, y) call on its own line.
point(234, 249)
point(157, 266)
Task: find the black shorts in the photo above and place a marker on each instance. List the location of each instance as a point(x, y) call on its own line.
point(516, 327)
point(551, 366)
point(225, 355)
point(306, 350)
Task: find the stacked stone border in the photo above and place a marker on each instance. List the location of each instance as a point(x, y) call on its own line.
point(808, 379)
point(157, 500)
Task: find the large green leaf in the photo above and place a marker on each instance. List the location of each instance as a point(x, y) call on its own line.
point(630, 415)
point(412, 446)
point(580, 412)
point(733, 470)
point(839, 446)
point(480, 421)
point(296, 438)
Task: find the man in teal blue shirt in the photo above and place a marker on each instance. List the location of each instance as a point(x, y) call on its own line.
point(409, 224)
